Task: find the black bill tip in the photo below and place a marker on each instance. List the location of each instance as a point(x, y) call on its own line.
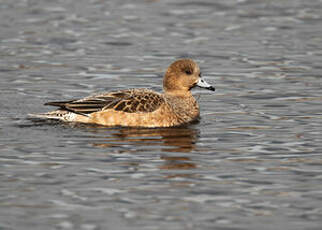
point(211, 88)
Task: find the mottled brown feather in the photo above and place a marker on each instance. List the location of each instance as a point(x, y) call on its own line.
point(129, 101)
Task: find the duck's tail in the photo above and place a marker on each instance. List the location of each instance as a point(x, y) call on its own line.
point(57, 114)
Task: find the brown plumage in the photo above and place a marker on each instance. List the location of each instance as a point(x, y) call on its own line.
point(139, 107)
point(130, 101)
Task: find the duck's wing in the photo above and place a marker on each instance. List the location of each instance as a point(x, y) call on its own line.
point(129, 101)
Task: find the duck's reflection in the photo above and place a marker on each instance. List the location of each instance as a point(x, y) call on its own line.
point(172, 144)
point(173, 141)
point(181, 139)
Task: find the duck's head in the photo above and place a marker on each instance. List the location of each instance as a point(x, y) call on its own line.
point(182, 75)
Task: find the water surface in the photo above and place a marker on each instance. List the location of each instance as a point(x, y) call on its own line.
point(252, 162)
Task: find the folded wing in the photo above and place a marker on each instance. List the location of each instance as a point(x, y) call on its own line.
point(129, 101)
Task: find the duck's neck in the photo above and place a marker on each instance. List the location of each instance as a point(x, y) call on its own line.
point(183, 104)
point(178, 93)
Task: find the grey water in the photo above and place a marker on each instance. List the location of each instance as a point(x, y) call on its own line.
point(254, 161)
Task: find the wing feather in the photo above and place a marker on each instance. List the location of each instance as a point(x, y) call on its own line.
point(130, 101)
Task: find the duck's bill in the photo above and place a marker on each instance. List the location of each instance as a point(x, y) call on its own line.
point(203, 84)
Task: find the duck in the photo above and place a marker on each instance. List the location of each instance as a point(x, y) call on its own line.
point(139, 107)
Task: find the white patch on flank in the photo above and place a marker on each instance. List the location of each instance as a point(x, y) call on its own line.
point(71, 116)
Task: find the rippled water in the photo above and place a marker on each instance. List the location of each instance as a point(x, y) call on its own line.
point(254, 161)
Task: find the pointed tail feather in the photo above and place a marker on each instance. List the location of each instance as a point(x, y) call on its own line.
point(58, 103)
point(58, 114)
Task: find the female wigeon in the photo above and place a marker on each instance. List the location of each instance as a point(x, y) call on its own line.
point(140, 107)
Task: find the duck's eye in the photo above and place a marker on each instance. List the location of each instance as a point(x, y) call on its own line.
point(188, 72)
